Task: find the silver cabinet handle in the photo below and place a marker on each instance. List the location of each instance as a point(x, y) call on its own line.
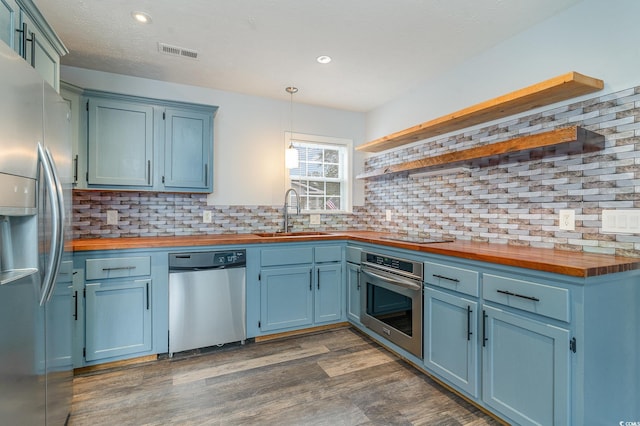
point(508, 293)
point(442, 277)
point(119, 268)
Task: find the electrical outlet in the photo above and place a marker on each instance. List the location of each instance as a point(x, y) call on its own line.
point(567, 220)
point(206, 216)
point(388, 212)
point(112, 217)
point(314, 219)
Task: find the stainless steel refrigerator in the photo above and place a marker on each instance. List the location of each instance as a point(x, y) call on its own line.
point(36, 317)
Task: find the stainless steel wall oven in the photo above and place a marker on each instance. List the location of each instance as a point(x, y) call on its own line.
point(391, 303)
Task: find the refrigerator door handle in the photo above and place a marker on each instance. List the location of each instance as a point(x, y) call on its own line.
point(57, 221)
point(60, 217)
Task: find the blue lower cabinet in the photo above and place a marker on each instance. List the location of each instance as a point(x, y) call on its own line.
point(450, 339)
point(286, 297)
point(118, 318)
point(328, 293)
point(301, 286)
point(525, 368)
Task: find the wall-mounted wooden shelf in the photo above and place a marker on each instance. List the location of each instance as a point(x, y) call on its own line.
point(555, 142)
point(554, 90)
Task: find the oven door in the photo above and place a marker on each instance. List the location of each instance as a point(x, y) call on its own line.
point(391, 306)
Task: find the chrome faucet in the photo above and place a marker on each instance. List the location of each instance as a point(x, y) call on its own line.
point(285, 213)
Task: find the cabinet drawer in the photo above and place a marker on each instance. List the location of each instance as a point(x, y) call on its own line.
point(328, 254)
point(286, 256)
point(458, 279)
point(65, 273)
point(354, 255)
point(533, 297)
point(118, 267)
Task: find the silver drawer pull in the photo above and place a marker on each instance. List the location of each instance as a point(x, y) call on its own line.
point(119, 268)
point(442, 277)
point(508, 293)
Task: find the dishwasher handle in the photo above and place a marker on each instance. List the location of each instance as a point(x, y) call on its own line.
point(177, 269)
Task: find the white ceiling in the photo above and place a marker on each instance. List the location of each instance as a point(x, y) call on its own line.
point(381, 49)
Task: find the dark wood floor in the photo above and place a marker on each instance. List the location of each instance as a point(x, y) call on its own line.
point(338, 377)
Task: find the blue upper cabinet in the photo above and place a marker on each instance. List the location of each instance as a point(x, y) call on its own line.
point(8, 12)
point(188, 149)
point(24, 29)
point(144, 144)
point(120, 150)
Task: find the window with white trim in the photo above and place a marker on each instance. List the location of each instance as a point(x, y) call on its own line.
point(322, 178)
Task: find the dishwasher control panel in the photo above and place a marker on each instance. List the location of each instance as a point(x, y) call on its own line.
point(207, 260)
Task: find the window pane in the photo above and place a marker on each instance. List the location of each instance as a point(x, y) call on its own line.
point(331, 171)
point(316, 203)
point(299, 186)
point(314, 154)
point(333, 188)
point(314, 169)
point(333, 203)
point(316, 188)
point(304, 203)
point(331, 156)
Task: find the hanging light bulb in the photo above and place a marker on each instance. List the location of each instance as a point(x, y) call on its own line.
point(291, 154)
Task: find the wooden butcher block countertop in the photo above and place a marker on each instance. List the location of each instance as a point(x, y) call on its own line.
point(577, 264)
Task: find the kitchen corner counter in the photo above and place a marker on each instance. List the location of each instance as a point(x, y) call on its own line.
point(576, 264)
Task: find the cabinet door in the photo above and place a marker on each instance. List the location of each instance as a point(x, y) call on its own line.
point(525, 368)
point(188, 148)
point(8, 18)
point(39, 53)
point(286, 298)
point(328, 297)
point(353, 292)
point(58, 347)
point(120, 145)
point(118, 319)
point(450, 338)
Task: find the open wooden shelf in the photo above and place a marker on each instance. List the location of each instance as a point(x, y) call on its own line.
point(525, 148)
point(554, 90)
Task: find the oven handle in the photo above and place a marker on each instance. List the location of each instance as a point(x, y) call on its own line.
point(394, 280)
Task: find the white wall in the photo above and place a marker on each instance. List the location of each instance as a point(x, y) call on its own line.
point(595, 37)
point(248, 133)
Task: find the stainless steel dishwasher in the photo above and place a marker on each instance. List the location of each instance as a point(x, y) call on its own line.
point(206, 299)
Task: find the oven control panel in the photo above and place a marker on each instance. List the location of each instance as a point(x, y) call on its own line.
point(388, 262)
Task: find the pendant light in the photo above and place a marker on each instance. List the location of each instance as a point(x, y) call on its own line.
point(291, 154)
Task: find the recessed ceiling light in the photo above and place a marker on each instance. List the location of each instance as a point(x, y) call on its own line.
point(323, 59)
point(141, 17)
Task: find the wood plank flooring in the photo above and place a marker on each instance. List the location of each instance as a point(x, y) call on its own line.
point(338, 377)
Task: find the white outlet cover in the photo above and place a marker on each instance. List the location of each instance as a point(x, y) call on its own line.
point(112, 217)
point(314, 219)
point(388, 214)
point(206, 216)
point(567, 219)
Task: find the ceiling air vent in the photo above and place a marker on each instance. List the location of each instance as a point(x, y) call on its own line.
point(167, 49)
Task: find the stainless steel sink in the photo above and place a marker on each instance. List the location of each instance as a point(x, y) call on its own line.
point(289, 234)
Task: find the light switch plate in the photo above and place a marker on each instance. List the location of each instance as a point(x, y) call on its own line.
point(621, 221)
point(314, 219)
point(112, 217)
point(206, 216)
point(567, 220)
